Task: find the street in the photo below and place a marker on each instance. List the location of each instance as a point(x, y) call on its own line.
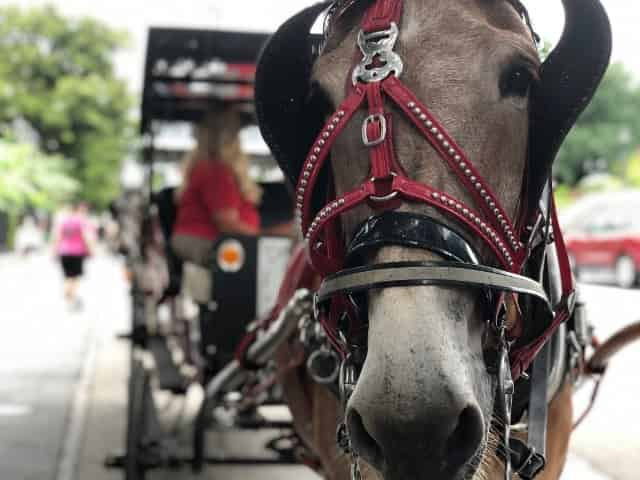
point(63, 380)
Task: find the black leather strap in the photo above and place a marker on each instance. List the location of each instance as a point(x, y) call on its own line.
point(529, 459)
point(412, 230)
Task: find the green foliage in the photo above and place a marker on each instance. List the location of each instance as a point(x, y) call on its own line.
point(607, 132)
point(31, 178)
point(563, 195)
point(57, 74)
point(632, 173)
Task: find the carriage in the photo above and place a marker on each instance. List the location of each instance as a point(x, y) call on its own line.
point(183, 331)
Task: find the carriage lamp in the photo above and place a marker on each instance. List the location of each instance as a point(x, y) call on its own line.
point(231, 256)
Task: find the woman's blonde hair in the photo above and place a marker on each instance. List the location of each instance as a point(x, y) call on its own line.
point(217, 138)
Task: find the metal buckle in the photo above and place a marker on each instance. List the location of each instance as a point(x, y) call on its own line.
point(531, 464)
point(348, 378)
point(379, 58)
point(321, 355)
point(376, 117)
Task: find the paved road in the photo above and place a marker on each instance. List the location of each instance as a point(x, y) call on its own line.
point(42, 350)
point(610, 437)
point(62, 383)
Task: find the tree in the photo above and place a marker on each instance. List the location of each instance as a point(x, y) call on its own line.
point(57, 75)
point(632, 173)
point(31, 178)
point(607, 132)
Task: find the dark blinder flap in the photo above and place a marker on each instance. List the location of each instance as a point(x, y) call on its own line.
point(288, 121)
point(569, 78)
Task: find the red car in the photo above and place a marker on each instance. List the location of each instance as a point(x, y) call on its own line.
point(603, 232)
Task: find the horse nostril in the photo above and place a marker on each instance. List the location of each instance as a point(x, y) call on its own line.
point(362, 441)
point(466, 438)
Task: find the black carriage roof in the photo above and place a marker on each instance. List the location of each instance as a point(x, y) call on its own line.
point(188, 72)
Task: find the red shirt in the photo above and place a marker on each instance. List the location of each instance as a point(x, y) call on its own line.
point(211, 188)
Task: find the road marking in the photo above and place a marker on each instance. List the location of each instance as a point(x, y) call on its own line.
point(70, 454)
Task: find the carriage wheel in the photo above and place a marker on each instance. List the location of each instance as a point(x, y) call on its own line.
point(137, 419)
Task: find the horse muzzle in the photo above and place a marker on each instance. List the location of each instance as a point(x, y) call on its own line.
point(422, 405)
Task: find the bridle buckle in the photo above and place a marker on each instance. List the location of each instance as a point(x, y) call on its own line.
point(376, 117)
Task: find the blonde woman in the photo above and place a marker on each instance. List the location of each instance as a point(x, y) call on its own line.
point(217, 196)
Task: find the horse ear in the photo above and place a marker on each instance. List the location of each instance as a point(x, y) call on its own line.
point(288, 120)
point(569, 78)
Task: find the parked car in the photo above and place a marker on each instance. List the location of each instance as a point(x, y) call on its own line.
point(603, 232)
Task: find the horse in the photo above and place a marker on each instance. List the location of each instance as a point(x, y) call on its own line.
point(420, 135)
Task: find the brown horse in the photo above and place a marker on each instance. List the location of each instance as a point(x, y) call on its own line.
point(424, 405)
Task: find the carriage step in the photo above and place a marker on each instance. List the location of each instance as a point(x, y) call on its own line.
point(169, 376)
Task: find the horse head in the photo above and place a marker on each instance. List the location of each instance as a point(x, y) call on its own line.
point(425, 397)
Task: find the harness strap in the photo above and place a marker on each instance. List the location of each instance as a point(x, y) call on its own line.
point(492, 225)
point(529, 460)
point(566, 277)
point(456, 158)
point(381, 15)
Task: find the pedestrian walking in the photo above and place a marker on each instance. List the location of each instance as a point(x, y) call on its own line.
point(72, 241)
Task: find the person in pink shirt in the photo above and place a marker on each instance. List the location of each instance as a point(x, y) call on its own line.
point(72, 244)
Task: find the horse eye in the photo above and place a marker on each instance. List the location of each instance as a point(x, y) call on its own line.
point(516, 82)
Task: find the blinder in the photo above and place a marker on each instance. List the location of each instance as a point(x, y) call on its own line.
point(288, 115)
point(569, 78)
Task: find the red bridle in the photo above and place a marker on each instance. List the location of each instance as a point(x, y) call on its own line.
point(387, 185)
